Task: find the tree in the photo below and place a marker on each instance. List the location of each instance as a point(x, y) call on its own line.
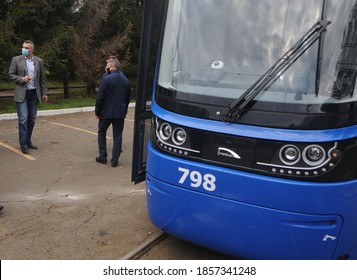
point(125, 19)
point(7, 36)
point(56, 54)
point(84, 49)
point(74, 37)
point(48, 24)
point(55, 47)
point(97, 36)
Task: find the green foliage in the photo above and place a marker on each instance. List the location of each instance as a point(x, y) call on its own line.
point(74, 37)
point(7, 35)
point(56, 101)
point(74, 102)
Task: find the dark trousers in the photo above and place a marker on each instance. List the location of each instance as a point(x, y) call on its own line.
point(26, 113)
point(118, 126)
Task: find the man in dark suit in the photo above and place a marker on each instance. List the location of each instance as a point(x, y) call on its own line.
point(27, 71)
point(111, 108)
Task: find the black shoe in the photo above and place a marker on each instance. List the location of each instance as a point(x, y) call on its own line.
point(114, 164)
point(32, 146)
point(100, 160)
point(25, 151)
point(1, 207)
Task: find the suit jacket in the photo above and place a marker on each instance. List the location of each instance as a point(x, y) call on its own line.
point(18, 69)
point(113, 96)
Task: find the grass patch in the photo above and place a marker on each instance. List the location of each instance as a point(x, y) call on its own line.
point(56, 101)
point(49, 83)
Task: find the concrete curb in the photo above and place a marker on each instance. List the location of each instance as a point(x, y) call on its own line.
point(13, 116)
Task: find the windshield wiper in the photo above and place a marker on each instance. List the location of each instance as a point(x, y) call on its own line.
point(239, 106)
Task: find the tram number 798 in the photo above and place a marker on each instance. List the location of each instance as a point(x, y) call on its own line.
point(207, 181)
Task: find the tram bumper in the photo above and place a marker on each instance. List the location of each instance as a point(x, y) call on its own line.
point(238, 220)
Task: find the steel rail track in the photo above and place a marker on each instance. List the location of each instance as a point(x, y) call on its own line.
point(145, 247)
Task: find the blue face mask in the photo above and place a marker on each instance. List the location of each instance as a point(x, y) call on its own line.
point(25, 52)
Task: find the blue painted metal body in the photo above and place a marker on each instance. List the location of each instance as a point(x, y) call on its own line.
point(249, 215)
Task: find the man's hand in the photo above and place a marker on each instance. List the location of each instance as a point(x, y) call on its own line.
point(26, 79)
point(44, 98)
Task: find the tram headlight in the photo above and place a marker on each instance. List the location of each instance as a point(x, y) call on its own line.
point(313, 155)
point(165, 131)
point(179, 136)
point(335, 153)
point(289, 154)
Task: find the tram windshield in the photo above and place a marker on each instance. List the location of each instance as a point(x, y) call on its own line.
point(213, 51)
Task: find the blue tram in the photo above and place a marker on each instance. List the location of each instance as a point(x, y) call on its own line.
point(249, 112)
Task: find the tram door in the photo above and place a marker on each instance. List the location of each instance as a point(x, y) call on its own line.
point(150, 34)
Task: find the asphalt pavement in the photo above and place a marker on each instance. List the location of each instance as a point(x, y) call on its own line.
point(59, 202)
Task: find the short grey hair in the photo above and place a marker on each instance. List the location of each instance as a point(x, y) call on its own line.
point(29, 42)
point(115, 63)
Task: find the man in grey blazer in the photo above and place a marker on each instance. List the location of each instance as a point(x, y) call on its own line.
point(27, 71)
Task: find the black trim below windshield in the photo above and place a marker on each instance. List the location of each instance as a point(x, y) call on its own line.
point(265, 114)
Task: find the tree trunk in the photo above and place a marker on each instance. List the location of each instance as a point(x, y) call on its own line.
point(66, 92)
point(91, 87)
